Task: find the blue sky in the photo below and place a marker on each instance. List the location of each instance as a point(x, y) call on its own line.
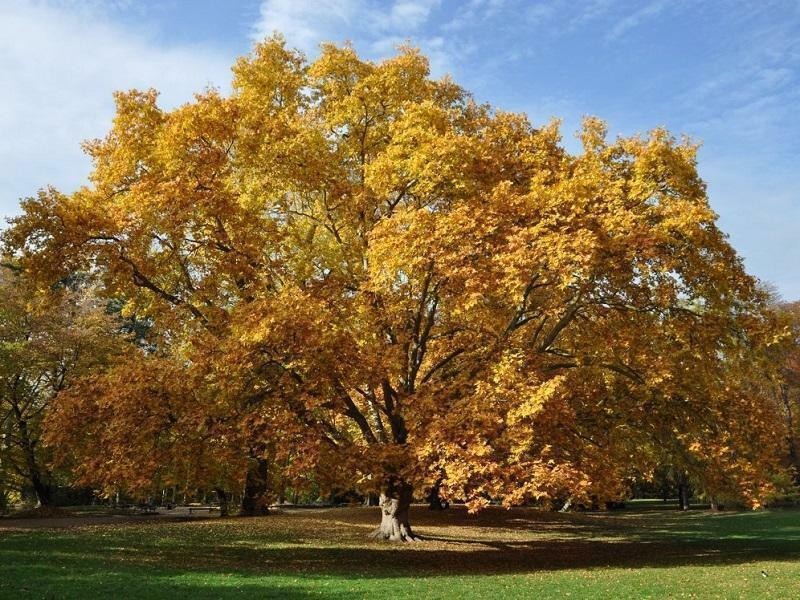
point(725, 72)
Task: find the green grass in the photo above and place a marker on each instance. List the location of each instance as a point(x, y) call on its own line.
point(643, 552)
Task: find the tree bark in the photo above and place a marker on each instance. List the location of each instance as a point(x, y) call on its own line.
point(255, 488)
point(394, 503)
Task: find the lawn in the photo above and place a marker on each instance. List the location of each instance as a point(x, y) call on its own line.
point(642, 552)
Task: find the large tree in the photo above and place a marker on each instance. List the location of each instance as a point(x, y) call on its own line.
point(423, 290)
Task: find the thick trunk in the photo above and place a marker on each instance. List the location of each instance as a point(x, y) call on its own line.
point(394, 503)
point(254, 501)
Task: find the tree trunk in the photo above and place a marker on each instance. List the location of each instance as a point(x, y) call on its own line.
point(394, 503)
point(282, 495)
point(40, 487)
point(223, 498)
point(683, 496)
point(435, 501)
point(43, 492)
point(254, 502)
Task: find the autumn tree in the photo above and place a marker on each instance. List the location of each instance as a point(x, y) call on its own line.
point(787, 387)
point(47, 341)
point(150, 430)
point(425, 291)
point(164, 419)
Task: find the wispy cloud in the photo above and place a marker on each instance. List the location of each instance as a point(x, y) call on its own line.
point(307, 24)
point(634, 19)
point(59, 64)
point(755, 86)
point(376, 28)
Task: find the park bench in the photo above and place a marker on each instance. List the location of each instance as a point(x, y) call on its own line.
point(193, 508)
point(143, 508)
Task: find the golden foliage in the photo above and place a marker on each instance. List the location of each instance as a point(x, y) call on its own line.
point(361, 263)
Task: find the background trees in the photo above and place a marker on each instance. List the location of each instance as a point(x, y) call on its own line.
point(407, 290)
point(47, 341)
point(787, 388)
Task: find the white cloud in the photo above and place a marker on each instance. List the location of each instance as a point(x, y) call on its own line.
point(306, 24)
point(410, 14)
point(59, 64)
point(372, 25)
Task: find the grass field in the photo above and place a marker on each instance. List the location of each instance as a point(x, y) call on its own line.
point(636, 553)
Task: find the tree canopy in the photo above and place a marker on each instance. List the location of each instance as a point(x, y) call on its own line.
point(360, 268)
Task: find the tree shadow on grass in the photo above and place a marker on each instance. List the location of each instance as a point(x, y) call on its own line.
point(275, 555)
